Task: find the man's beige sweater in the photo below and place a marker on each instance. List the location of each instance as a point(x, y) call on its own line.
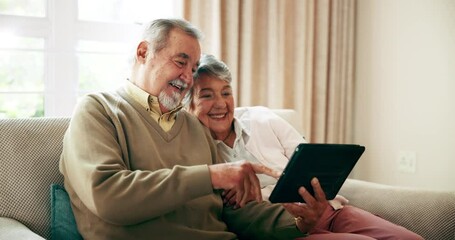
point(129, 179)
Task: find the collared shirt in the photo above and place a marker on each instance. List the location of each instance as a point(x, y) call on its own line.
point(239, 152)
point(151, 105)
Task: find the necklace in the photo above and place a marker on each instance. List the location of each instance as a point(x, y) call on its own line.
point(226, 138)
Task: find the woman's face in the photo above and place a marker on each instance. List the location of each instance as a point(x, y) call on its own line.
point(213, 104)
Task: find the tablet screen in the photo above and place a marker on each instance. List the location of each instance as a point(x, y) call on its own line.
point(330, 163)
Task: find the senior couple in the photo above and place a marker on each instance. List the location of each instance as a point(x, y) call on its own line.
point(138, 166)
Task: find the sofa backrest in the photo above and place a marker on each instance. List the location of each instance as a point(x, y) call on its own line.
point(29, 154)
point(292, 117)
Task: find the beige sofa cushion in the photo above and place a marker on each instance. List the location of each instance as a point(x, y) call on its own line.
point(30, 153)
point(12, 229)
point(428, 213)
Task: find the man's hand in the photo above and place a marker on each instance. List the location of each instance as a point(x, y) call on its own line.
point(308, 214)
point(240, 179)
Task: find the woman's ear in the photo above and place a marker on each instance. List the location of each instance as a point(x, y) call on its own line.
point(141, 52)
point(190, 105)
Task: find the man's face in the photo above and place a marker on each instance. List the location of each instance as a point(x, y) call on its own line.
point(168, 74)
point(213, 104)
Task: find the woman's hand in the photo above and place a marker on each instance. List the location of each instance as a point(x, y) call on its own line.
point(308, 214)
point(229, 198)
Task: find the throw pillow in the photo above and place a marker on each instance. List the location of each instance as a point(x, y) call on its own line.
point(63, 224)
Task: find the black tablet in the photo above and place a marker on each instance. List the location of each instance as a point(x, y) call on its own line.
point(330, 163)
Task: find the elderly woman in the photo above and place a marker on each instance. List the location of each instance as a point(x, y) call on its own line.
point(259, 135)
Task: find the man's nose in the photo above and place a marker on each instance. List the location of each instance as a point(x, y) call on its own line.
point(187, 75)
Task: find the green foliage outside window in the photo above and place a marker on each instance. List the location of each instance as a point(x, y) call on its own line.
point(21, 105)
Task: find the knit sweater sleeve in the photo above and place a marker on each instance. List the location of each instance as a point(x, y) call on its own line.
point(96, 168)
point(262, 220)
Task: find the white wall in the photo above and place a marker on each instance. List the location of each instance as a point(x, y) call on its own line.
point(405, 76)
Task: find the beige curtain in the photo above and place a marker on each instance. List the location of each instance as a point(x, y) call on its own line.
point(295, 54)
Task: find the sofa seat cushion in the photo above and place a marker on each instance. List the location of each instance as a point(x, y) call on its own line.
point(13, 229)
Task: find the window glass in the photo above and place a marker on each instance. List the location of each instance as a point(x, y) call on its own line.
point(10, 41)
point(30, 8)
point(103, 47)
point(21, 105)
point(127, 11)
point(22, 63)
point(101, 65)
point(21, 71)
point(21, 76)
point(99, 71)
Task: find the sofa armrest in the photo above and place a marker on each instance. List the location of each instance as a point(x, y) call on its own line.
point(428, 213)
point(13, 229)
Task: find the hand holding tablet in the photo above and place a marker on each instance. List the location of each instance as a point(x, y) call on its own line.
point(330, 163)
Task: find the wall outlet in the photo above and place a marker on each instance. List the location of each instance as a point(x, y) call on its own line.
point(407, 161)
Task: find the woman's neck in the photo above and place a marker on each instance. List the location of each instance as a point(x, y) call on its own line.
point(228, 137)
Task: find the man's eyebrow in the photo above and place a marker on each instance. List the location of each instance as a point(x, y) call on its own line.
point(183, 55)
point(186, 57)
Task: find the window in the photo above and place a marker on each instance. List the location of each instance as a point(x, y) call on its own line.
point(21, 76)
point(54, 51)
point(31, 8)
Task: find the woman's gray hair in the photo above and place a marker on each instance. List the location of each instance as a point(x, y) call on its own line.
point(209, 65)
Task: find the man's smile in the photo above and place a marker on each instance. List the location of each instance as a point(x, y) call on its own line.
point(178, 84)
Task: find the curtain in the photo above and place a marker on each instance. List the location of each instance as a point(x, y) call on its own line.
point(296, 54)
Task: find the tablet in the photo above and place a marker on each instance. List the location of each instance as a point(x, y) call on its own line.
point(330, 163)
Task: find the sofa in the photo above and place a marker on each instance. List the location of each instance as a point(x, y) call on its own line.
point(30, 152)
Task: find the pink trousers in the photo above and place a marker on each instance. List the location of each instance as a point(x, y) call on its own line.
point(354, 223)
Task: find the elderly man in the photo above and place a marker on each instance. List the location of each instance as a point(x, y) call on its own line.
point(136, 167)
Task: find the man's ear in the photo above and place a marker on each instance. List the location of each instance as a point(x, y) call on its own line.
point(141, 52)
